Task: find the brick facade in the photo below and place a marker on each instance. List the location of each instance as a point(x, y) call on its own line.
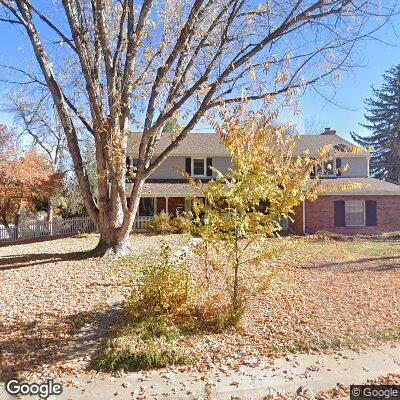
point(319, 215)
point(174, 203)
point(297, 224)
point(161, 204)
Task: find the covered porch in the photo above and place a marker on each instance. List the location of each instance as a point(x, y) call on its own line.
point(149, 207)
point(169, 196)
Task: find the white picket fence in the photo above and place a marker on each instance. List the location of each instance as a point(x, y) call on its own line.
point(58, 227)
point(69, 226)
point(141, 224)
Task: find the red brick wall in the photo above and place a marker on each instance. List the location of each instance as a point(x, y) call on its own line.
point(320, 216)
point(297, 224)
point(174, 202)
point(160, 204)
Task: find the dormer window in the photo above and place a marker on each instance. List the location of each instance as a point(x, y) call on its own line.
point(326, 169)
point(199, 166)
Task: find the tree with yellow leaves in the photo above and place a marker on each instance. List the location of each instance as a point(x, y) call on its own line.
point(266, 181)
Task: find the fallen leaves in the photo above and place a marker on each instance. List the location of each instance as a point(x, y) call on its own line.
point(48, 290)
point(329, 294)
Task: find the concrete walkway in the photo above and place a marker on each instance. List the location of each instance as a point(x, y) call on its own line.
point(316, 372)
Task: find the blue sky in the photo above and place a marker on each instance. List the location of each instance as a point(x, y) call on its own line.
point(354, 87)
point(348, 96)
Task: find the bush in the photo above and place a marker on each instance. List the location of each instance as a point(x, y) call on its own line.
point(168, 299)
point(183, 223)
point(129, 352)
point(215, 313)
point(170, 292)
point(162, 223)
point(165, 289)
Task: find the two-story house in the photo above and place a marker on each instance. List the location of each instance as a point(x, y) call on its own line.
point(373, 208)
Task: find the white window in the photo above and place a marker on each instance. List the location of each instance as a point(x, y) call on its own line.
point(327, 168)
point(355, 213)
point(199, 166)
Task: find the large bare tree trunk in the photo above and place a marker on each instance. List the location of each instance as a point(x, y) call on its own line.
point(111, 216)
point(110, 244)
point(116, 224)
point(195, 65)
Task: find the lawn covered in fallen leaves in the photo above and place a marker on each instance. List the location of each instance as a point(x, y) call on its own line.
point(327, 294)
point(48, 290)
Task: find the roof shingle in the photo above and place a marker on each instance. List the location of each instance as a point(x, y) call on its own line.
point(202, 144)
point(369, 186)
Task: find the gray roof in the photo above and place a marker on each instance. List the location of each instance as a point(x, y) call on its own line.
point(167, 188)
point(203, 144)
point(195, 144)
point(313, 143)
point(369, 186)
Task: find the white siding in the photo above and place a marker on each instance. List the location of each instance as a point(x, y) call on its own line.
point(167, 170)
point(357, 167)
point(221, 164)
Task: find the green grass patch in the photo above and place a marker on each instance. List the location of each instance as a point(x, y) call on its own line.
point(387, 335)
point(299, 347)
point(141, 345)
point(273, 350)
point(130, 353)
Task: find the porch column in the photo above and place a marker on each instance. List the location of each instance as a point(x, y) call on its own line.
point(166, 205)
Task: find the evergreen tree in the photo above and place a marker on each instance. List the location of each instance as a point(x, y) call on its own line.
point(383, 119)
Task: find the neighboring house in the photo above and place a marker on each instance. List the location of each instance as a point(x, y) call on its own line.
point(373, 208)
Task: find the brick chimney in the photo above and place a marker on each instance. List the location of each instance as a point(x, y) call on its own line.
point(328, 131)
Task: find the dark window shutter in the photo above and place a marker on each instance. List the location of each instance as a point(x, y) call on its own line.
point(339, 213)
point(370, 213)
point(128, 165)
point(189, 165)
point(338, 165)
point(209, 164)
point(313, 171)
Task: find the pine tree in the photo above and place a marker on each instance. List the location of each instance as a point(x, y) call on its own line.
point(384, 122)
